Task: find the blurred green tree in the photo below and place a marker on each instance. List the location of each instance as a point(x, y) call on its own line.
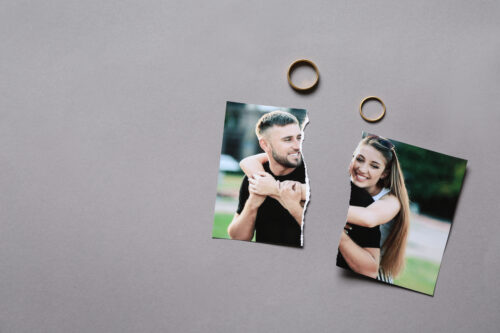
point(434, 180)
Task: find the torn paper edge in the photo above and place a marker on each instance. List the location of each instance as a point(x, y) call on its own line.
point(308, 194)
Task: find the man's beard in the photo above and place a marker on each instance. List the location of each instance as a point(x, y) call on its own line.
point(282, 160)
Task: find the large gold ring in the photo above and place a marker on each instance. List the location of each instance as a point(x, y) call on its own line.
point(371, 120)
point(294, 65)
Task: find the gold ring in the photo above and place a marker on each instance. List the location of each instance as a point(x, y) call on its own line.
point(295, 64)
point(371, 120)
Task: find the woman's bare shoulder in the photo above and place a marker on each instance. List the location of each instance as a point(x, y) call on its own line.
point(390, 199)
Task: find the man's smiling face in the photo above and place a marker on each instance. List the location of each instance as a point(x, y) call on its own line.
point(284, 144)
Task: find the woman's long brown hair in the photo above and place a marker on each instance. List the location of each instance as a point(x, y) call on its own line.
point(393, 249)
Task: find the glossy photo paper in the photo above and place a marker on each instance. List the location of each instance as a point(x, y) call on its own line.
point(401, 207)
point(262, 187)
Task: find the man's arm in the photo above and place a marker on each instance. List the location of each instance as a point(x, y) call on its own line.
point(290, 198)
point(243, 225)
point(364, 261)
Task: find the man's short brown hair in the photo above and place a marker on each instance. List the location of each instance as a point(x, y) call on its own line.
point(275, 118)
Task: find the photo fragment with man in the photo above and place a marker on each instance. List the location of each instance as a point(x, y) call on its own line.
point(401, 206)
point(262, 188)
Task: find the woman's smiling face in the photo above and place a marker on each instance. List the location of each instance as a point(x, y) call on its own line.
point(367, 168)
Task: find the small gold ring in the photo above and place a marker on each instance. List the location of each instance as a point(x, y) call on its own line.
point(302, 62)
point(372, 120)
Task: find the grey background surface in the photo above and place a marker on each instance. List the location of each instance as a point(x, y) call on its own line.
point(111, 118)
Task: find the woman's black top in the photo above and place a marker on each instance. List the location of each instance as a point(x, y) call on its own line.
point(363, 236)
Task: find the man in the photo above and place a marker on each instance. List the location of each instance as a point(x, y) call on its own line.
point(277, 217)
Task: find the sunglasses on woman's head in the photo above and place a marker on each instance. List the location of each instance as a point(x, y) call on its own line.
point(384, 142)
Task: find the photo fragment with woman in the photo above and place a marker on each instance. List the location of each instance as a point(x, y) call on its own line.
point(262, 187)
point(401, 206)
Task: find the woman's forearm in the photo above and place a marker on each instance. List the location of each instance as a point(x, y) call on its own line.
point(304, 192)
point(379, 212)
point(360, 216)
point(253, 164)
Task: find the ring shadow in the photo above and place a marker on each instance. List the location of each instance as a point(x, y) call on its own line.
point(309, 90)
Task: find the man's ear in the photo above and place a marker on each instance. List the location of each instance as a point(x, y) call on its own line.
point(263, 144)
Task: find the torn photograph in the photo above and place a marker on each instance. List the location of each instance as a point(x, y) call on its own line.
point(262, 187)
point(401, 206)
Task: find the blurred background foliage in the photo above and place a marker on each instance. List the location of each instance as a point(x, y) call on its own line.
point(433, 180)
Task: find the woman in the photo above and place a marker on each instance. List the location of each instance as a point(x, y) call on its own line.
point(375, 168)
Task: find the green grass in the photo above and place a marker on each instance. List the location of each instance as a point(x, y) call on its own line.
point(419, 275)
point(221, 222)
